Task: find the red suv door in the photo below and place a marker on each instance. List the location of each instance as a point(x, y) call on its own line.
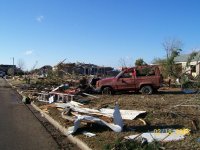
point(126, 81)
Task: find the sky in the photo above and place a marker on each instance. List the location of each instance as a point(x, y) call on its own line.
point(102, 32)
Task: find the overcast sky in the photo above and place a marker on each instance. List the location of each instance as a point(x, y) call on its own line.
point(94, 31)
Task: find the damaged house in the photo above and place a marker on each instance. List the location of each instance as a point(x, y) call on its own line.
point(84, 69)
point(91, 69)
point(194, 66)
point(43, 71)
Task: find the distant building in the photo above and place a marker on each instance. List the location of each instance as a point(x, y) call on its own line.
point(43, 71)
point(6, 67)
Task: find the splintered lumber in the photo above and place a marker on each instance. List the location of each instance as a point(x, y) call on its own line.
point(90, 95)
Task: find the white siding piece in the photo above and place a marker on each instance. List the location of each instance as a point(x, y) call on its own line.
point(126, 114)
point(77, 108)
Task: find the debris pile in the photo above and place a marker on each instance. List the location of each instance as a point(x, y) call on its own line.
point(75, 105)
point(112, 118)
point(69, 101)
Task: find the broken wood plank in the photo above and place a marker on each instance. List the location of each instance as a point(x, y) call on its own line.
point(90, 95)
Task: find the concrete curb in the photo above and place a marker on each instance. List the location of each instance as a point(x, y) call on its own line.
point(63, 130)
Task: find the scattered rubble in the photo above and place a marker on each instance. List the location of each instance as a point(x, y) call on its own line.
point(77, 105)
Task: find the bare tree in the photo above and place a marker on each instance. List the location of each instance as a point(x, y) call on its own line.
point(35, 64)
point(122, 62)
point(21, 64)
point(170, 45)
point(126, 61)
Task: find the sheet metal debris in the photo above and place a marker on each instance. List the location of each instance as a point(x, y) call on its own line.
point(77, 112)
point(117, 126)
point(126, 114)
point(75, 106)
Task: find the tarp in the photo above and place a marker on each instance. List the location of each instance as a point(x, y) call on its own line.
point(189, 91)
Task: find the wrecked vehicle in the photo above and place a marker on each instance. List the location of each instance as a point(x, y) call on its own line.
point(144, 79)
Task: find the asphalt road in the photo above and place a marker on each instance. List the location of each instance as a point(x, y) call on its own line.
point(19, 128)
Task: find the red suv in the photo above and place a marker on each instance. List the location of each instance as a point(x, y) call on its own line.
point(144, 79)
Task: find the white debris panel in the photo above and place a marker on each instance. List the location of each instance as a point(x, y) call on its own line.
point(163, 137)
point(95, 116)
point(126, 114)
point(117, 126)
point(77, 107)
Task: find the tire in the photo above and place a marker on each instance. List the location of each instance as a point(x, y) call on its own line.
point(146, 90)
point(107, 91)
